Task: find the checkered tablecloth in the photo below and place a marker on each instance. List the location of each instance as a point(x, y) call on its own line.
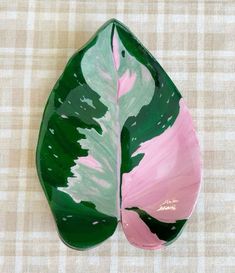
point(195, 43)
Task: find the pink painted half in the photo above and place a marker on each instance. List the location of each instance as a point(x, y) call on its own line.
point(166, 182)
point(126, 82)
point(89, 161)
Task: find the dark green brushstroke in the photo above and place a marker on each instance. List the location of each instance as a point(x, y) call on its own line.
point(65, 99)
point(164, 231)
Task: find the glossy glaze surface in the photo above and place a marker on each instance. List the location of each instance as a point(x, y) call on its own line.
point(117, 143)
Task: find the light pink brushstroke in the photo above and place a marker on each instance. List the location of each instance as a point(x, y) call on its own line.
point(89, 161)
point(105, 74)
point(126, 82)
point(166, 182)
point(101, 182)
point(116, 55)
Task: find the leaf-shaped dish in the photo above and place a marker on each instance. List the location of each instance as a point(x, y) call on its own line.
point(117, 143)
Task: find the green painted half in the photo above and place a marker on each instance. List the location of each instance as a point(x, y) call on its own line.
point(72, 107)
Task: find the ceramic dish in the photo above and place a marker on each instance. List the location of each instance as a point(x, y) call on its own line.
point(117, 143)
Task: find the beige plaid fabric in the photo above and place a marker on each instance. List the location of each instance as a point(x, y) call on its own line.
point(195, 43)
